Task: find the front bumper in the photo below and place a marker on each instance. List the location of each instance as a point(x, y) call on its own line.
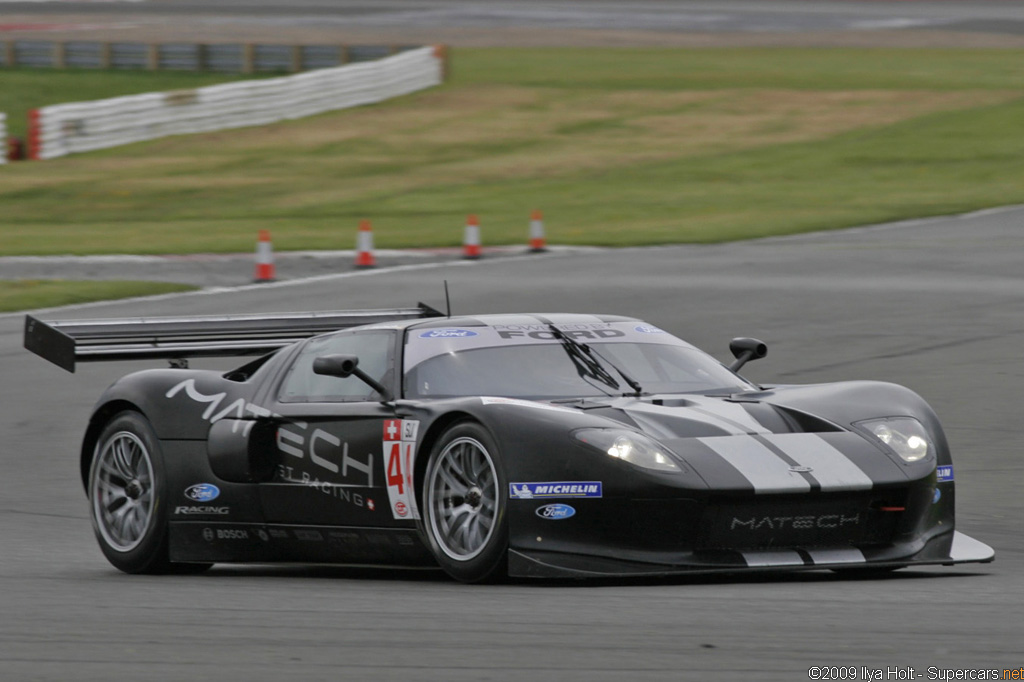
point(945, 549)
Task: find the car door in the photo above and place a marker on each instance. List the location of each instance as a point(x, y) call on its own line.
point(332, 435)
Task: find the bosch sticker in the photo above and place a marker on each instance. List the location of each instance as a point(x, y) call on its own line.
point(530, 491)
point(399, 455)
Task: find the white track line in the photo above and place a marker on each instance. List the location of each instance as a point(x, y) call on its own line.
point(262, 286)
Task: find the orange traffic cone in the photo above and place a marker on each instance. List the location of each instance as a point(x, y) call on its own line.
point(364, 246)
point(264, 258)
point(537, 243)
point(471, 241)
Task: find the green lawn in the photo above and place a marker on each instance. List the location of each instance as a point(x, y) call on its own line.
point(616, 146)
point(47, 293)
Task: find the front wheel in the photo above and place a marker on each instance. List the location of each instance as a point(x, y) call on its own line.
point(126, 496)
point(464, 504)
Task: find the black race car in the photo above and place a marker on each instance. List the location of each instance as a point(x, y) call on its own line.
point(543, 446)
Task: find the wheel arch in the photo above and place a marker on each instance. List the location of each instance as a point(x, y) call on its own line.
point(434, 432)
point(103, 414)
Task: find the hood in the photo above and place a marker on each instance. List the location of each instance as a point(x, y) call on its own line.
point(744, 445)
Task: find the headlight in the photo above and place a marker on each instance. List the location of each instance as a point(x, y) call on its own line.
point(904, 435)
point(629, 446)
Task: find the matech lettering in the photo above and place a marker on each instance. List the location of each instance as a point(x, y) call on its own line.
point(756, 523)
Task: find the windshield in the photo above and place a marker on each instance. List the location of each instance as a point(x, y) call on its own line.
point(546, 371)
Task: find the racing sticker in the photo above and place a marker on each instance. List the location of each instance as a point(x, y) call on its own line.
point(944, 473)
point(202, 492)
point(555, 512)
point(399, 453)
point(549, 489)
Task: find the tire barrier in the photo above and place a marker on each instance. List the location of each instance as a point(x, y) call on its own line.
point(216, 57)
point(62, 129)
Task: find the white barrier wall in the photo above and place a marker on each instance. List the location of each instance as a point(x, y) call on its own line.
point(3, 137)
point(83, 126)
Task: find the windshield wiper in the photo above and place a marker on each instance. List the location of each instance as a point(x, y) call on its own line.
point(582, 355)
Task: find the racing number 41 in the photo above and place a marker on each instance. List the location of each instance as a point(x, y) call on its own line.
point(399, 451)
point(396, 469)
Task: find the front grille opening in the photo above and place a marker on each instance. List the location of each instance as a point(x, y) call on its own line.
point(803, 522)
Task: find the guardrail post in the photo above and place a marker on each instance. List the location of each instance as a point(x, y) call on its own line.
point(153, 57)
point(296, 65)
point(441, 52)
point(105, 55)
point(59, 55)
point(202, 57)
point(343, 54)
point(34, 135)
point(10, 57)
point(248, 58)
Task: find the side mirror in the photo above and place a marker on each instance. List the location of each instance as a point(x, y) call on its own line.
point(344, 366)
point(745, 350)
point(336, 365)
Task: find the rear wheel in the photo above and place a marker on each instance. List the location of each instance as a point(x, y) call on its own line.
point(127, 500)
point(464, 503)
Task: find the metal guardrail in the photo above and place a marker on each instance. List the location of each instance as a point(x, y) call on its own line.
point(224, 58)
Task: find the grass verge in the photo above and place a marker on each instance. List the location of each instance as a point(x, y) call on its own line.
point(29, 294)
point(616, 146)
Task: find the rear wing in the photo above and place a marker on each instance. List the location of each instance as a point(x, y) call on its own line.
point(67, 342)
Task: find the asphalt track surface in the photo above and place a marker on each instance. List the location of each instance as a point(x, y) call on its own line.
point(661, 15)
point(936, 304)
point(523, 22)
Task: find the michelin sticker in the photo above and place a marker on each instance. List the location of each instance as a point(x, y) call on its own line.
point(944, 473)
point(532, 491)
point(648, 329)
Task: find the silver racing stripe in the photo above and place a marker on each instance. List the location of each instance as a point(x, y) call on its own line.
point(830, 467)
point(728, 417)
point(765, 470)
point(732, 414)
point(773, 558)
point(770, 472)
point(837, 556)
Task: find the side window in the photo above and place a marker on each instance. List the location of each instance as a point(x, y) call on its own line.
point(374, 350)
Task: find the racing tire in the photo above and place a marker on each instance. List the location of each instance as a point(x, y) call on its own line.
point(464, 502)
point(127, 496)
